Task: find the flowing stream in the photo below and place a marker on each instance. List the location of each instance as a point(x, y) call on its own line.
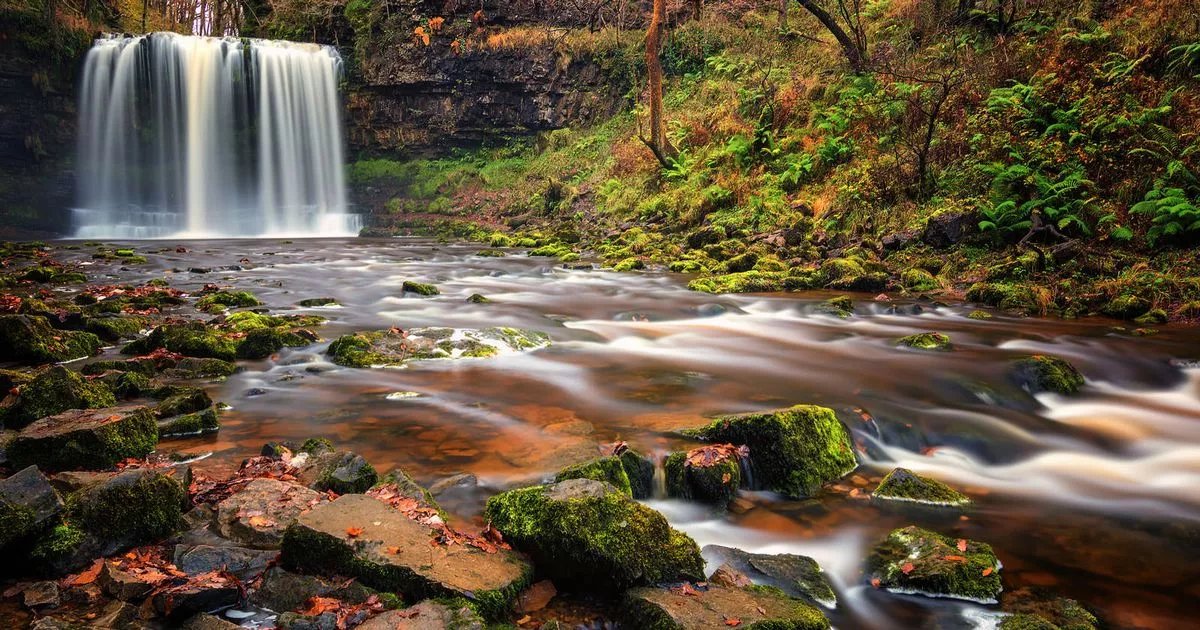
point(201, 136)
point(1094, 497)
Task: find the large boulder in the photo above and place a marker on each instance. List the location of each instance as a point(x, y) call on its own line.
point(690, 607)
point(361, 537)
point(259, 513)
point(396, 347)
point(798, 576)
point(1043, 373)
point(31, 339)
point(195, 339)
point(587, 532)
point(52, 391)
point(792, 451)
point(710, 473)
point(27, 504)
point(609, 469)
point(85, 439)
point(918, 561)
point(281, 590)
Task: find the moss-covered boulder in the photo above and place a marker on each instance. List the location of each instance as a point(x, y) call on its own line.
point(1043, 373)
point(838, 306)
point(1126, 307)
point(261, 343)
point(792, 451)
point(742, 282)
point(113, 328)
point(53, 390)
point(420, 288)
point(27, 504)
point(316, 302)
point(395, 347)
point(198, 368)
point(178, 400)
point(194, 340)
point(85, 439)
point(191, 424)
point(798, 576)
point(132, 507)
point(586, 532)
point(926, 341)
point(640, 471)
point(853, 275)
point(344, 473)
point(608, 469)
point(918, 561)
point(917, 279)
point(710, 607)
point(228, 299)
point(903, 484)
point(1012, 296)
point(31, 339)
point(361, 537)
point(710, 474)
point(1035, 608)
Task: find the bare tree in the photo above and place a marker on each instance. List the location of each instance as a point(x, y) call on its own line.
point(929, 89)
point(657, 142)
point(843, 19)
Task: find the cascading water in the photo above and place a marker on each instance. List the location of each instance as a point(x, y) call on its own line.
point(206, 137)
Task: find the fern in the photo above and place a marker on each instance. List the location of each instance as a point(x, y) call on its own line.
point(1173, 212)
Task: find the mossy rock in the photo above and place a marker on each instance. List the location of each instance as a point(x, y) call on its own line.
point(1152, 317)
point(27, 505)
point(126, 385)
point(53, 390)
point(1024, 621)
point(926, 341)
point(390, 552)
point(181, 399)
point(608, 469)
point(201, 367)
point(261, 343)
point(144, 367)
point(979, 315)
point(704, 607)
point(850, 274)
point(640, 471)
point(716, 483)
point(918, 561)
point(346, 473)
point(315, 302)
point(130, 508)
point(917, 279)
point(193, 340)
point(420, 288)
point(583, 532)
point(31, 339)
point(793, 451)
point(744, 282)
point(1043, 373)
point(85, 439)
point(1010, 296)
point(228, 299)
point(1126, 307)
point(391, 348)
point(116, 328)
point(1034, 606)
point(629, 264)
point(838, 306)
point(798, 576)
point(476, 298)
point(903, 484)
point(448, 613)
point(190, 424)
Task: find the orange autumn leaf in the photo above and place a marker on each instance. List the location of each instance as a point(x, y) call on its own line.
point(987, 571)
point(86, 577)
point(320, 605)
point(733, 621)
point(354, 532)
point(422, 34)
point(436, 23)
point(260, 521)
point(907, 568)
point(954, 558)
point(962, 544)
point(875, 582)
point(393, 550)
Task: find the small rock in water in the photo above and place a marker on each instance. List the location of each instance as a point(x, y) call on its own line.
point(403, 395)
point(904, 485)
point(921, 562)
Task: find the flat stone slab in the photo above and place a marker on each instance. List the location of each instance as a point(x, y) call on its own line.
point(427, 615)
point(361, 537)
point(692, 608)
point(260, 512)
point(798, 576)
point(85, 439)
point(27, 501)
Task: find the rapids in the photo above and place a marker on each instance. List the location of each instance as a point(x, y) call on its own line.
point(1094, 497)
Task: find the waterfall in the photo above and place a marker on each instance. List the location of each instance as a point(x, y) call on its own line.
point(210, 137)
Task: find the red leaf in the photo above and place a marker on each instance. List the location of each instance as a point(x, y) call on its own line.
point(354, 532)
point(907, 568)
point(954, 558)
point(732, 621)
point(875, 582)
point(962, 544)
point(85, 577)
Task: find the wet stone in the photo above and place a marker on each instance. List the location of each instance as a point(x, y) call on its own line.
point(206, 621)
point(243, 562)
point(796, 575)
point(697, 608)
point(41, 594)
point(904, 485)
point(27, 503)
point(282, 590)
point(258, 514)
point(85, 439)
point(916, 561)
point(428, 615)
point(361, 537)
point(122, 585)
point(52, 391)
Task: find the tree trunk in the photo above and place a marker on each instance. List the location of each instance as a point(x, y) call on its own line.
point(145, 7)
point(783, 14)
point(854, 54)
point(654, 42)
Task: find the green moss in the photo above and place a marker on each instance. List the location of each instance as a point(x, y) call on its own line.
point(420, 288)
point(1023, 621)
point(1042, 373)
point(979, 315)
point(56, 545)
point(490, 253)
point(314, 302)
point(1126, 307)
point(135, 506)
point(347, 474)
point(1012, 296)
point(640, 471)
point(915, 559)
point(477, 299)
point(629, 264)
point(850, 274)
point(926, 341)
point(54, 390)
point(917, 279)
point(316, 446)
point(260, 344)
point(31, 339)
point(555, 250)
point(354, 351)
point(902, 484)
point(1152, 317)
point(792, 451)
point(16, 522)
point(608, 469)
point(98, 449)
point(582, 532)
point(180, 400)
point(839, 306)
point(194, 340)
point(744, 282)
point(194, 367)
point(116, 328)
point(716, 484)
point(228, 299)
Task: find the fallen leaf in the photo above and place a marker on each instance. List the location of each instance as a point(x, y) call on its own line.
point(907, 568)
point(393, 550)
point(954, 558)
point(875, 582)
point(85, 577)
point(732, 621)
point(260, 521)
point(987, 571)
point(354, 532)
point(962, 544)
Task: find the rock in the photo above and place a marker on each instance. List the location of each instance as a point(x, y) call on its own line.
point(979, 315)
point(258, 514)
point(949, 228)
point(1127, 307)
point(476, 298)
point(798, 576)
point(608, 469)
point(839, 306)
point(195, 597)
point(897, 241)
point(122, 585)
point(282, 590)
point(792, 451)
point(194, 340)
point(314, 302)
point(640, 470)
point(194, 367)
point(392, 347)
point(243, 562)
point(30, 339)
point(130, 508)
point(390, 552)
point(918, 561)
point(27, 504)
point(204, 621)
point(710, 474)
point(699, 608)
point(917, 279)
point(536, 597)
point(903, 484)
point(1033, 608)
point(407, 486)
point(85, 439)
point(448, 484)
point(53, 390)
point(1043, 373)
point(190, 424)
point(1012, 296)
point(851, 275)
point(583, 531)
point(113, 328)
point(926, 341)
point(450, 614)
point(729, 577)
point(41, 594)
point(346, 473)
point(180, 400)
point(228, 299)
point(118, 615)
point(420, 288)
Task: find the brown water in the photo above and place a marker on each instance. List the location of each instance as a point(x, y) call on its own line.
point(1096, 497)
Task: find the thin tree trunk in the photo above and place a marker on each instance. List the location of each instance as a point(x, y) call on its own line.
point(854, 53)
point(654, 36)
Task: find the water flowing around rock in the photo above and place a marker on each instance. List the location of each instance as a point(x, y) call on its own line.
point(200, 136)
